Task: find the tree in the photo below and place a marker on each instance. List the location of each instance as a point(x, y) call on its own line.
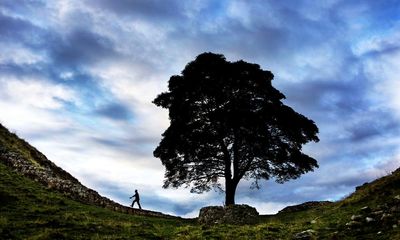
point(228, 121)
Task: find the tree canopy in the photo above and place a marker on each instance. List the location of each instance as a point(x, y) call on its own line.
point(228, 122)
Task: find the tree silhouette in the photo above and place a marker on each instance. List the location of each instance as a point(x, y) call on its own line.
point(228, 121)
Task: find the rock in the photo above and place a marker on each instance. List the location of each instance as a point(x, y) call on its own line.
point(356, 217)
point(240, 214)
point(305, 235)
point(365, 209)
point(395, 209)
point(376, 213)
point(233, 214)
point(353, 224)
point(394, 226)
point(397, 197)
point(382, 206)
point(386, 217)
point(369, 219)
point(211, 214)
point(313, 222)
point(379, 233)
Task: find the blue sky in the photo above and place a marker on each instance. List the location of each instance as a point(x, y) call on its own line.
point(77, 78)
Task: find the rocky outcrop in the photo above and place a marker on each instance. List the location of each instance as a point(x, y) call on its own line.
point(42, 170)
point(232, 214)
point(383, 216)
point(304, 206)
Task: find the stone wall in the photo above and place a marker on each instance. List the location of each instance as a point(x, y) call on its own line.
point(232, 214)
point(53, 177)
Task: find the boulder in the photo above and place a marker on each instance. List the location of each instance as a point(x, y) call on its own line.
point(305, 235)
point(369, 219)
point(353, 224)
point(232, 214)
point(356, 217)
point(211, 214)
point(365, 209)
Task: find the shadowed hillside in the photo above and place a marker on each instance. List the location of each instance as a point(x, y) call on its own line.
point(41, 201)
point(25, 159)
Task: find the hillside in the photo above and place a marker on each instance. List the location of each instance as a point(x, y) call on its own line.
point(41, 201)
point(27, 160)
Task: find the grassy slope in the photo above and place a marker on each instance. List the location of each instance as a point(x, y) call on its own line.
point(30, 210)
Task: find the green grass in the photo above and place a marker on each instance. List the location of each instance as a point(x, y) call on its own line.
point(12, 142)
point(28, 210)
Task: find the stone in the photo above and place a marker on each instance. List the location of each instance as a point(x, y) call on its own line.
point(395, 209)
point(240, 214)
point(305, 235)
point(353, 224)
point(365, 209)
point(376, 213)
point(397, 197)
point(232, 214)
point(369, 219)
point(386, 217)
point(313, 222)
point(211, 214)
point(356, 217)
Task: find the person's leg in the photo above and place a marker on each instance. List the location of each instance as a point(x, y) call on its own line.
point(140, 207)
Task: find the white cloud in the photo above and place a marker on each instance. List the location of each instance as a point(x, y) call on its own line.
point(33, 105)
point(375, 43)
point(36, 93)
point(386, 74)
point(16, 54)
point(131, 85)
point(28, 120)
point(146, 52)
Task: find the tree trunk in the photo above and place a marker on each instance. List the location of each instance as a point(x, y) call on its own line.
point(230, 192)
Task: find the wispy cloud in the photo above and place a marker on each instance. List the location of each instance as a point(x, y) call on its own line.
point(77, 79)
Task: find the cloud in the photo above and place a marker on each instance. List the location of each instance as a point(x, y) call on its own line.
point(151, 9)
point(77, 79)
point(36, 93)
point(114, 111)
point(81, 47)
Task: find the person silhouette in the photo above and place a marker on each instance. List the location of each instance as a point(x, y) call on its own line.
point(136, 200)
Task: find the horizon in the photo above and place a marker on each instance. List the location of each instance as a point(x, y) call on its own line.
point(77, 80)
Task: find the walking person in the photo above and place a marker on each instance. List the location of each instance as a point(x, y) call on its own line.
point(136, 200)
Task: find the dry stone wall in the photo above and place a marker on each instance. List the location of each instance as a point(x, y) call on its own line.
point(232, 214)
point(47, 173)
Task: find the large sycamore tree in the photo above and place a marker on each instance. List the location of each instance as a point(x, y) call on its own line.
point(228, 122)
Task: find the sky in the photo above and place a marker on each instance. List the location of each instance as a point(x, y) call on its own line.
point(77, 78)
